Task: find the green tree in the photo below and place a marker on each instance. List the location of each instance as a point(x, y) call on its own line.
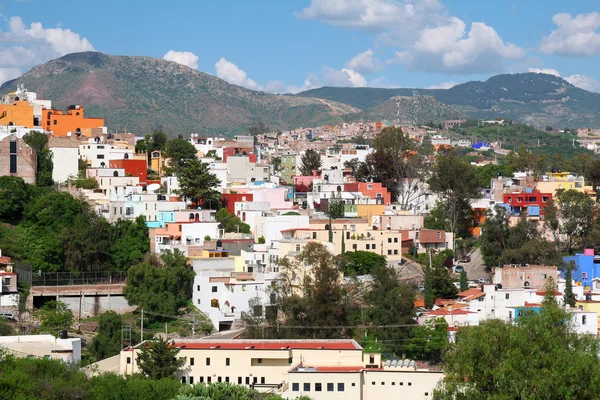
point(158, 359)
point(107, 342)
point(55, 316)
point(196, 183)
point(38, 141)
point(179, 151)
point(429, 341)
point(87, 243)
point(14, 194)
point(523, 361)
point(335, 206)
point(159, 140)
point(6, 328)
point(129, 242)
point(464, 283)
point(455, 182)
point(109, 386)
point(360, 262)
point(575, 209)
point(231, 223)
point(569, 295)
point(311, 160)
point(390, 302)
point(426, 146)
point(163, 290)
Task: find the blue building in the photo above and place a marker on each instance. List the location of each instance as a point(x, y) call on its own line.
point(587, 267)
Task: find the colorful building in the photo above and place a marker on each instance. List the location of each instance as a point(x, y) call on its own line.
point(133, 167)
point(73, 121)
point(531, 201)
point(587, 267)
point(19, 113)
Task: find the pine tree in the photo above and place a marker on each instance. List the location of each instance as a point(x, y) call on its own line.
point(569, 296)
point(464, 284)
point(343, 243)
point(428, 294)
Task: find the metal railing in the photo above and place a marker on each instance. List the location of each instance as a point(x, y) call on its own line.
point(77, 278)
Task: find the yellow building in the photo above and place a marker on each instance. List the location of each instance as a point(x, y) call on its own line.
point(566, 181)
point(590, 306)
point(19, 113)
point(158, 163)
point(319, 369)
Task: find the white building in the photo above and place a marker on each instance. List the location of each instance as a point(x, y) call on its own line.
point(43, 346)
point(97, 153)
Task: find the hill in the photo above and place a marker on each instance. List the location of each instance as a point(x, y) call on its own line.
point(141, 94)
point(536, 99)
point(423, 109)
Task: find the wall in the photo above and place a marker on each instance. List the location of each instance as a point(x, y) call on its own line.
point(65, 163)
point(20, 113)
point(399, 384)
point(26, 159)
point(61, 124)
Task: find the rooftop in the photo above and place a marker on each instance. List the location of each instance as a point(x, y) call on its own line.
point(268, 344)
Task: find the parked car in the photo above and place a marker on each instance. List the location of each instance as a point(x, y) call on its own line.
point(482, 280)
point(465, 259)
point(459, 269)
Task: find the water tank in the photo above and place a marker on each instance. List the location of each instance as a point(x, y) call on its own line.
point(63, 334)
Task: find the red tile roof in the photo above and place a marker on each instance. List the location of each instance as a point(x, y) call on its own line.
point(338, 369)
point(4, 260)
point(446, 311)
point(543, 293)
point(267, 345)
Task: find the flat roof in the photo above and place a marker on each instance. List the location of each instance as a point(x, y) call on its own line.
point(269, 345)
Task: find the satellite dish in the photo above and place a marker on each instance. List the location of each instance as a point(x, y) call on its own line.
point(152, 187)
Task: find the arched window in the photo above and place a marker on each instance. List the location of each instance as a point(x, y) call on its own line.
point(191, 216)
point(11, 123)
point(126, 156)
point(77, 113)
point(78, 130)
point(116, 173)
point(17, 98)
point(197, 217)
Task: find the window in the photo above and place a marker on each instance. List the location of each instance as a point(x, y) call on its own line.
point(54, 122)
point(219, 379)
point(262, 380)
point(395, 252)
point(368, 247)
point(340, 387)
point(583, 319)
point(295, 387)
point(382, 383)
point(353, 384)
point(481, 298)
point(439, 235)
point(255, 379)
point(307, 387)
point(208, 361)
point(409, 383)
point(208, 379)
point(393, 383)
point(228, 361)
point(100, 156)
point(389, 252)
point(290, 360)
point(584, 275)
point(396, 240)
point(214, 289)
point(201, 379)
point(191, 380)
point(247, 380)
point(373, 383)
point(374, 245)
point(354, 246)
point(519, 199)
point(297, 247)
point(330, 387)
point(198, 301)
point(227, 379)
point(314, 235)
point(198, 287)
point(318, 387)
point(239, 380)
point(259, 360)
point(192, 361)
point(507, 296)
point(183, 380)
point(544, 199)
point(128, 360)
point(401, 383)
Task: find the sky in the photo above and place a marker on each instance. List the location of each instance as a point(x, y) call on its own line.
point(293, 45)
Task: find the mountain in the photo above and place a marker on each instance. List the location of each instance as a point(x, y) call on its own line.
point(536, 99)
point(420, 108)
point(141, 94)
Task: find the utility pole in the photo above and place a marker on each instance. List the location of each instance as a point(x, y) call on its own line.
point(193, 326)
point(142, 327)
point(79, 318)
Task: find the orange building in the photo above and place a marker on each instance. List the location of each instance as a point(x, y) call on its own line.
point(73, 121)
point(19, 113)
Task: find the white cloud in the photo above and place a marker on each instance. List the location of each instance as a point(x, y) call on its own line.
point(584, 82)
point(450, 48)
point(422, 32)
point(22, 46)
point(182, 57)
point(574, 36)
point(6, 74)
point(549, 71)
point(343, 78)
point(365, 62)
point(443, 85)
point(230, 72)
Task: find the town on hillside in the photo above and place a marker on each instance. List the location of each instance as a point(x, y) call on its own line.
point(357, 261)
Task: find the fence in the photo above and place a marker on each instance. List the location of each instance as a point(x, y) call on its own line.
point(76, 278)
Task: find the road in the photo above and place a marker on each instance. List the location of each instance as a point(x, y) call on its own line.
point(476, 268)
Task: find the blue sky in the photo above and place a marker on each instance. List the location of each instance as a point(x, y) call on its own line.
point(283, 46)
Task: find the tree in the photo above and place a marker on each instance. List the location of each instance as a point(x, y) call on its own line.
point(311, 160)
point(575, 209)
point(163, 290)
point(464, 283)
point(428, 292)
point(158, 359)
point(129, 242)
point(276, 163)
point(426, 146)
point(360, 262)
point(38, 141)
point(6, 328)
point(390, 302)
point(159, 140)
point(107, 342)
point(197, 184)
point(429, 341)
point(526, 360)
point(335, 206)
point(14, 194)
point(231, 223)
point(55, 316)
point(179, 151)
point(395, 163)
point(455, 182)
point(569, 295)
point(87, 243)
point(225, 391)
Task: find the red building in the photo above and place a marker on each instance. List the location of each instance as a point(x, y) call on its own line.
point(238, 151)
point(137, 168)
point(231, 198)
point(532, 201)
point(374, 190)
